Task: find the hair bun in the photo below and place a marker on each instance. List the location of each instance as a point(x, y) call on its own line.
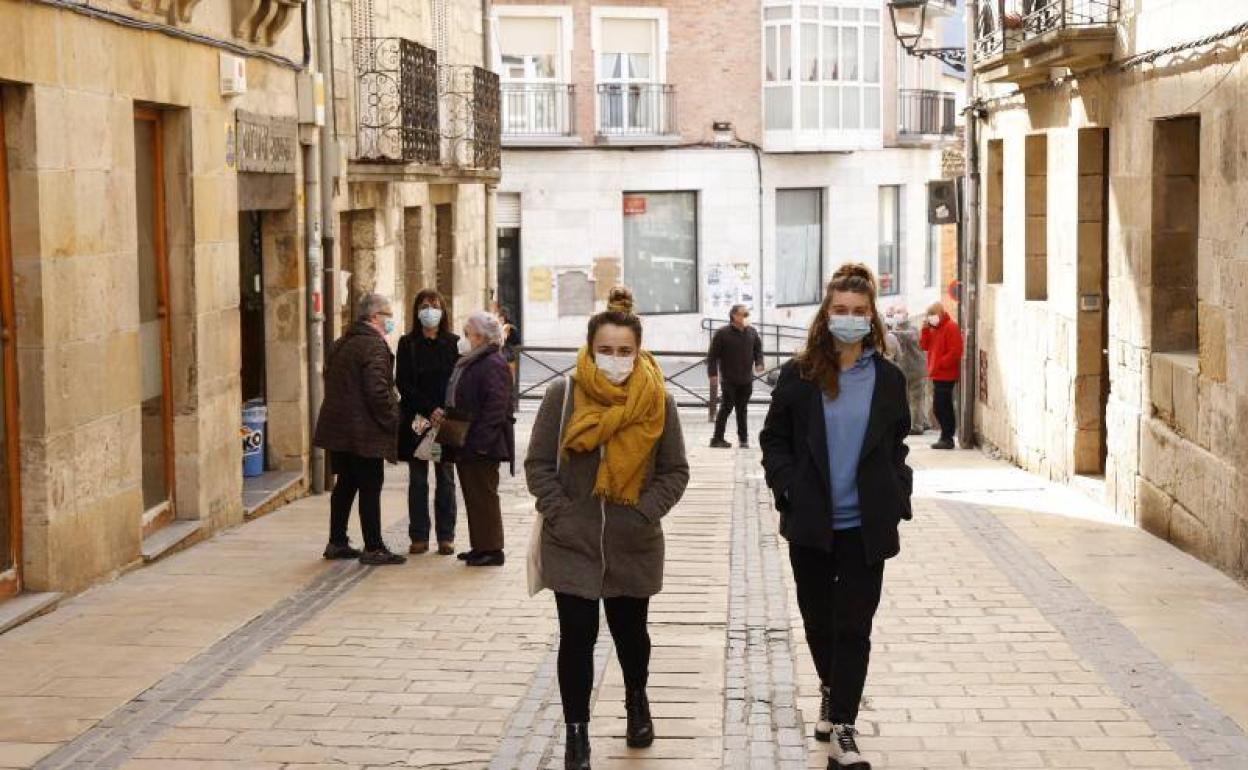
point(855, 270)
point(620, 300)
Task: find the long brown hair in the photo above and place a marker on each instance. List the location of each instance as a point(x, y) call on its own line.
point(818, 361)
point(619, 312)
point(424, 295)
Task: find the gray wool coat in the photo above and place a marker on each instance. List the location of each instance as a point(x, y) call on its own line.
point(591, 548)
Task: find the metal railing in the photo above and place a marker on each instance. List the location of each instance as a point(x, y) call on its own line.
point(396, 101)
point(470, 118)
point(999, 27)
point(923, 112)
point(538, 109)
point(636, 109)
point(1048, 15)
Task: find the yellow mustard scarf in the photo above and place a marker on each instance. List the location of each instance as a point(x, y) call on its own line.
point(626, 420)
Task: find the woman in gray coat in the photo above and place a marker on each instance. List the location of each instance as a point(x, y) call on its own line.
point(606, 462)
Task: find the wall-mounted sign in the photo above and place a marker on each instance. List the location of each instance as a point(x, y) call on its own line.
point(634, 204)
point(267, 145)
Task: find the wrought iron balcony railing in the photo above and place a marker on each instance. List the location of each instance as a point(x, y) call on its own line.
point(470, 119)
point(538, 109)
point(1049, 15)
point(396, 101)
point(925, 113)
point(636, 109)
point(998, 28)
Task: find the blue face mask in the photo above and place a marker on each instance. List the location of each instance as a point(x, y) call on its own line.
point(430, 317)
point(849, 328)
point(389, 325)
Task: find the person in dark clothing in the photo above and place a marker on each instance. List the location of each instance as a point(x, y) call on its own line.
point(358, 426)
point(480, 387)
point(426, 358)
point(834, 455)
point(736, 354)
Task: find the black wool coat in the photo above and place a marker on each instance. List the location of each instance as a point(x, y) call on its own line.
point(360, 413)
point(795, 461)
point(424, 369)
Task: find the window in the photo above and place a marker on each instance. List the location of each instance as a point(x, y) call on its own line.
point(529, 48)
point(661, 250)
point(821, 66)
point(931, 271)
point(1176, 234)
point(631, 96)
point(533, 61)
point(799, 247)
point(889, 268)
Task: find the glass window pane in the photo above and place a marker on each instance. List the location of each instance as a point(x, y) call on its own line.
point(639, 66)
point(612, 66)
point(661, 251)
point(831, 64)
point(870, 14)
point(849, 53)
point(769, 54)
point(810, 52)
point(831, 107)
point(851, 106)
point(849, 14)
point(778, 13)
point(871, 54)
point(810, 11)
point(785, 62)
point(778, 105)
point(890, 239)
point(810, 107)
point(831, 13)
point(799, 246)
point(871, 107)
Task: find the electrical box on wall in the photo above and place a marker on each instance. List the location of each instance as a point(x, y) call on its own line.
point(233, 75)
point(310, 90)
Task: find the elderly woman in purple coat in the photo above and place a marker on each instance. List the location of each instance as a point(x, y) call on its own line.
point(480, 391)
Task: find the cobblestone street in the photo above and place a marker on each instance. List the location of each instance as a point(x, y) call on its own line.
point(1020, 628)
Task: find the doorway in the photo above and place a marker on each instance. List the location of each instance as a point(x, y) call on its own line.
point(155, 339)
point(251, 304)
point(444, 229)
point(1092, 362)
point(509, 274)
point(10, 499)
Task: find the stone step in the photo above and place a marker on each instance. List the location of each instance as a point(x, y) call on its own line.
point(24, 607)
point(167, 538)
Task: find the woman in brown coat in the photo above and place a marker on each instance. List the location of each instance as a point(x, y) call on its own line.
point(606, 463)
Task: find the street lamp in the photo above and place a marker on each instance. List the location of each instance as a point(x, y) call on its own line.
point(913, 15)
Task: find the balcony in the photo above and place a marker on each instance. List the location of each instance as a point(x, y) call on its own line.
point(470, 117)
point(1078, 34)
point(925, 116)
point(1020, 41)
point(396, 99)
point(538, 114)
point(637, 113)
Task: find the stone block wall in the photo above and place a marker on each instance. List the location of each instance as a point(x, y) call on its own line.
point(1177, 291)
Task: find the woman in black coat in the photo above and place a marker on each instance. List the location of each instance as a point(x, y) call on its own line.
point(835, 460)
point(426, 358)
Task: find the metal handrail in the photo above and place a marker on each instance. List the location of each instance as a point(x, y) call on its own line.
point(1049, 15)
point(636, 109)
point(922, 111)
point(539, 109)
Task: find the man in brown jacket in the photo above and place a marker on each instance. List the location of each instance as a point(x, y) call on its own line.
point(358, 426)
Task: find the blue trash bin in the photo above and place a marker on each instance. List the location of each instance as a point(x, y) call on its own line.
point(254, 418)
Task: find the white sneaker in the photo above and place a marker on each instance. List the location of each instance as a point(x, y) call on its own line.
point(843, 753)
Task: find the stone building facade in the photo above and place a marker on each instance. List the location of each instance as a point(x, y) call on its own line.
point(153, 254)
point(664, 143)
point(1113, 244)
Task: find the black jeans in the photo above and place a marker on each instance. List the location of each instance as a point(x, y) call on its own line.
point(418, 500)
point(734, 397)
point(578, 631)
point(942, 405)
point(838, 594)
point(365, 476)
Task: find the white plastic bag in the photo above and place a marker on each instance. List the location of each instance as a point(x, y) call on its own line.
point(428, 450)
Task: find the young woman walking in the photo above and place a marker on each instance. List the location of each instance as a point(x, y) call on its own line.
point(835, 459)
point(602, 485)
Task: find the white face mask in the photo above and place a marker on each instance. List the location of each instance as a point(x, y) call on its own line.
point(615, 368)
point(430, 317)
point(465, 347)
point(933, 319)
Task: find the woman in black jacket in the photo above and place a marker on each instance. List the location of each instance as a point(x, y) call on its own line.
point(426, 358)
point(835, 460)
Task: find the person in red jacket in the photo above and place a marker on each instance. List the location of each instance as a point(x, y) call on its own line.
point(942, 339)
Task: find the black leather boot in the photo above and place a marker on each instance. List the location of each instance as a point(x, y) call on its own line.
point(640, 731)
point(576, 752)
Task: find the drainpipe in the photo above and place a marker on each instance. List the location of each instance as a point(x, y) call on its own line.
point(487, 213)
point(319, 179)
point(969, 264)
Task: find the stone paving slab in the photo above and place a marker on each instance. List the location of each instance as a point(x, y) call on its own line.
point(435, 665)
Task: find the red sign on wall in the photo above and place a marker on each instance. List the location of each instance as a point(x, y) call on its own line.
point(634, 204)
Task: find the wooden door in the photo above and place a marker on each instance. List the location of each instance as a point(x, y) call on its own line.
point(10, 497)
point(444, 226)
point(155, 338)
